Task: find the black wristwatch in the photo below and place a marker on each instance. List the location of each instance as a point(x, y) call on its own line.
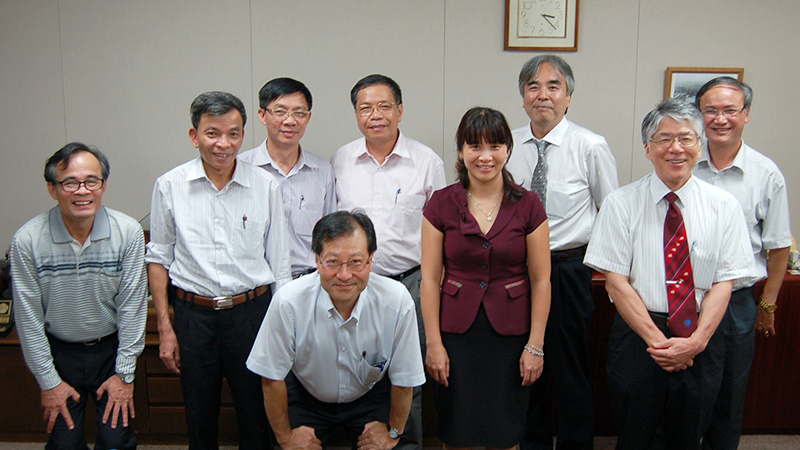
point(393, 433)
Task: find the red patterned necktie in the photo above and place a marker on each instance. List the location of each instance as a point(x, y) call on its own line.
point(680, 282)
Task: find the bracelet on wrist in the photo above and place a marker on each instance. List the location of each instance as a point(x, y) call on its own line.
point(534, 350)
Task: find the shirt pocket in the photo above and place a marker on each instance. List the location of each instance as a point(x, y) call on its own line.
point(407, 214)
point(562, 198)
point(308, 213)
point(371, 373)
point(704, 265)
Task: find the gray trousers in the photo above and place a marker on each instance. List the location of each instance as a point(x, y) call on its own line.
point(413, 431)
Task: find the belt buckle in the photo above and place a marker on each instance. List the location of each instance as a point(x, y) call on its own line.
point(222, 302)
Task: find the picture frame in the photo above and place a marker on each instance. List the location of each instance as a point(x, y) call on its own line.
point(688, 80)
point(550, 25)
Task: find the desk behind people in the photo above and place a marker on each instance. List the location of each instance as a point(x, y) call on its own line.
point(773, 392)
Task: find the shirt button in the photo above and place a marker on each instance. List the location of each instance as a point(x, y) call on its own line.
point(344, 349)
point(486, 244)
point(482, 285)
point(484, 266)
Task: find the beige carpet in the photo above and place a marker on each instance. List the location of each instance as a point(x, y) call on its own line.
point(750, 442)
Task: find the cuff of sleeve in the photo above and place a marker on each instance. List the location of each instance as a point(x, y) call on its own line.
point(125, 365)
point(49, 380)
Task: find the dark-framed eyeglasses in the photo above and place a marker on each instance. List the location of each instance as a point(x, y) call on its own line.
point(73, 185)
point(383, 107)
point(686, 140)
point(282, 114)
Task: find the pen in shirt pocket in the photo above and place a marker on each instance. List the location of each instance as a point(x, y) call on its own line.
point(396, 195)
point(244, 222)
point(302, 197)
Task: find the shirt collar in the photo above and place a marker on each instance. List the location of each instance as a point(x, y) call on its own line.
point(262, 158)
point(101, 227)
point(738, 160)
point(658, 189)
point(326, 303)
point(554, 137)
point(400, 148)
point(197, 171)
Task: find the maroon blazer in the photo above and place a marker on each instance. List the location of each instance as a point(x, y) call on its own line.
point(491, 269)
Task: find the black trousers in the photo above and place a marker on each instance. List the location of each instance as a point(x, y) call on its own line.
point(646, 398)
point(85, 368)
point(306, 410)
point(567, 374)
point(738, 329)
point(214, 344)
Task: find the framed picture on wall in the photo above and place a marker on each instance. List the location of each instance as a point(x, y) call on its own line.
point(689, 80)
point(541, 25)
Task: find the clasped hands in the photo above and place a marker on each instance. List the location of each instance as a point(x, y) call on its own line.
point(675, 354)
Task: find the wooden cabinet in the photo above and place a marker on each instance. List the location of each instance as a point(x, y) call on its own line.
point(771, 405)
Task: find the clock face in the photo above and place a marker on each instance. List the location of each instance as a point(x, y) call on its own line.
point(542, 18)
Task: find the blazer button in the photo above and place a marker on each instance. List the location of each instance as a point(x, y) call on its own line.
point(482, 285)
point(486, 244)
point(484, 266)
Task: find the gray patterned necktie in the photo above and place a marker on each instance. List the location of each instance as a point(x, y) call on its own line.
point(539, 179)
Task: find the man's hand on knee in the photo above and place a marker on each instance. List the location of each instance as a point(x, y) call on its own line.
point(302, 438)
point(54, 402)
point(120, 400)
point(376, 437)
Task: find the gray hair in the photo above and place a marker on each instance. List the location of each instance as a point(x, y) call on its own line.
point(746, 91)
point(531, 68)
point(678, 109)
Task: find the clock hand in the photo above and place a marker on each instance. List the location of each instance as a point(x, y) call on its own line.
point(545, 16)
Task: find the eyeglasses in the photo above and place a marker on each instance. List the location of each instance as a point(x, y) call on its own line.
point(711, 113)
point(383, 107)
point(354, 265)
point(73, 185)
point(282, 114)
point(664, 141)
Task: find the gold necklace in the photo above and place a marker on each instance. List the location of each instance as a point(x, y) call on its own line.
point(489, 214)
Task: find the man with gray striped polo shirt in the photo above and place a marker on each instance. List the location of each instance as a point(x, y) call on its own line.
point(79, 298)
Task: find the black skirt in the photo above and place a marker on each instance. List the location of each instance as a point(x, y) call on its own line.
point(485, 403)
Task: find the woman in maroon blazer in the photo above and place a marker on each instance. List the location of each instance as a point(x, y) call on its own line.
point(484, 317)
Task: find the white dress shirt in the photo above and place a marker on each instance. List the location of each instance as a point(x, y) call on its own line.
point(759, 186)
point(393, 195)
point(338, 360)
point(308, 194)
point(628, 237)
point(581, 172)
point(217, 242)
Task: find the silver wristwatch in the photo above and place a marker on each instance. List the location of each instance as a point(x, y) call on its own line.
point(393, 433)
point(126, 378)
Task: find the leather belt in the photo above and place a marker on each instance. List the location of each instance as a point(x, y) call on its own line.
point(301, 273)
point(224, 302)
point(406, 274)
point(563, 255)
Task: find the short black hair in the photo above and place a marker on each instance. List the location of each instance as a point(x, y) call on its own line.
point(279, 87)
point(216, 104)
point(746, 91)
point(372, 80)
point(343, 223)
point(63, 156)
